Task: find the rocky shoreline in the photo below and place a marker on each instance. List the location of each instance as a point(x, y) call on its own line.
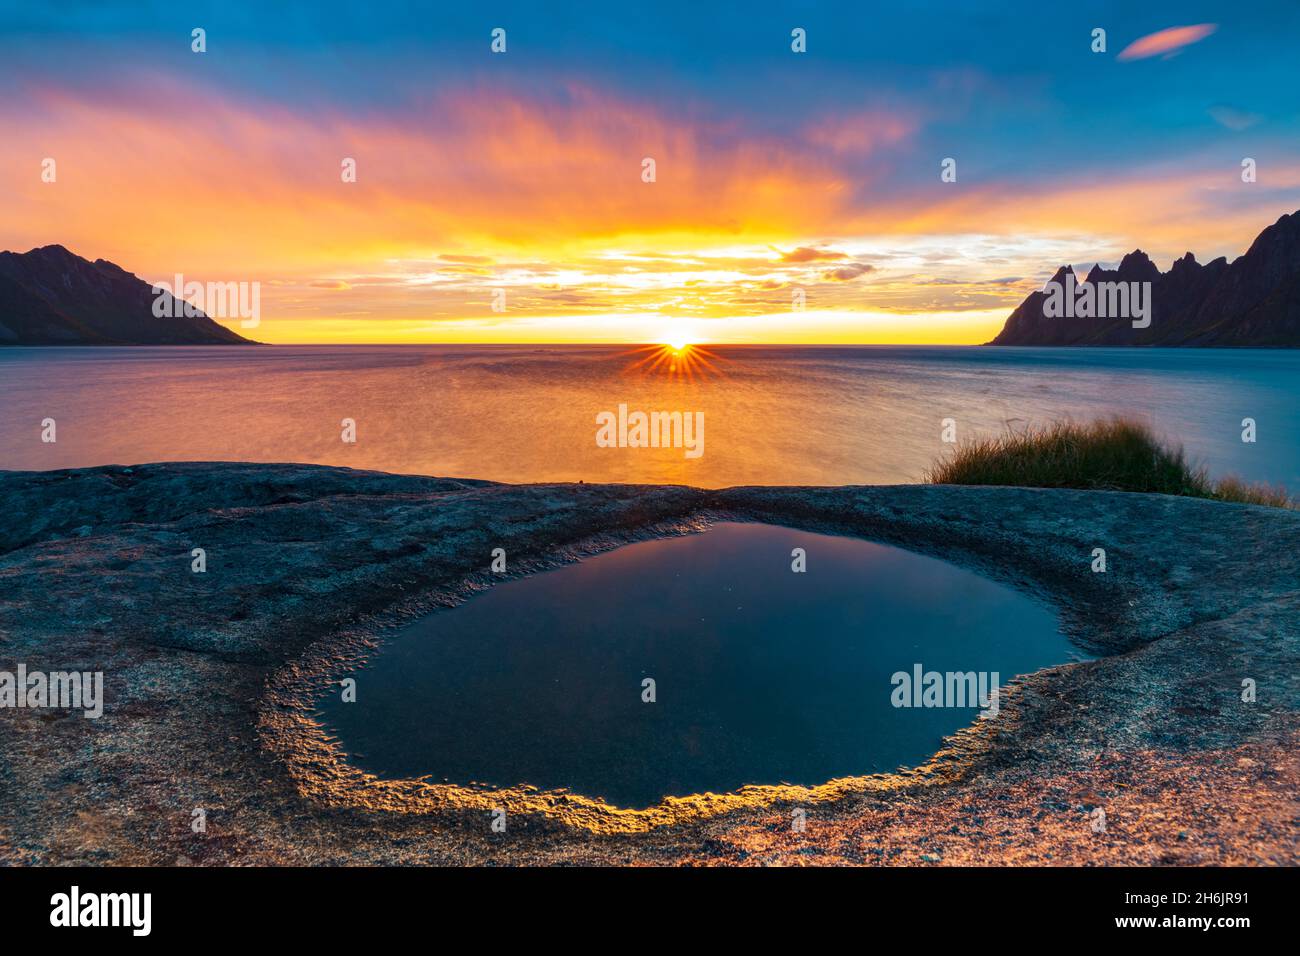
point(208, 676)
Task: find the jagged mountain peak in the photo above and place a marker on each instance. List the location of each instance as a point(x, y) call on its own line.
point(1254, 301)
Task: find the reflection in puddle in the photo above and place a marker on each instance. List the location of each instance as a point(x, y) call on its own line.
point(760, 675)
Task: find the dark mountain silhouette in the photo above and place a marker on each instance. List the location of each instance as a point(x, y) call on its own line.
point(1254, 301)
point(50, 296)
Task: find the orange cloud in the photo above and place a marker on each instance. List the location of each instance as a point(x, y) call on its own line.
point(811, 254)
point(848, 273)
point(157, 174)
point(543, 197)
point(1166, 41)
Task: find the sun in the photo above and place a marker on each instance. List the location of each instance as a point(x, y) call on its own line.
point(678, 338)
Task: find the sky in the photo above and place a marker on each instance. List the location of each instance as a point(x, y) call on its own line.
point(502, 196)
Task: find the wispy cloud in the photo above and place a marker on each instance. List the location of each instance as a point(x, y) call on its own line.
point(1166, 42)
point(1233, 117)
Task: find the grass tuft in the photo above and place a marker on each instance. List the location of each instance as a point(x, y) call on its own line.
point(1114, 454)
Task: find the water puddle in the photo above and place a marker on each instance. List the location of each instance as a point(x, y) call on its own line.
point(761, 675)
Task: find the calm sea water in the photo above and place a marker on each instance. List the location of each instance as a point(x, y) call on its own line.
point(761, 675)
point(773, 415)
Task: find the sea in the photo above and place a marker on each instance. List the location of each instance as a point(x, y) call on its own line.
point(769, 415)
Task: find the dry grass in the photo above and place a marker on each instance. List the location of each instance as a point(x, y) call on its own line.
point(1114, 454)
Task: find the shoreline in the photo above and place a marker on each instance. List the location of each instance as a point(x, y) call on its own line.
point(310, 566)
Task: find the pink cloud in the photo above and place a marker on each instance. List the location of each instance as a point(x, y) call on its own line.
point(1166, 41)
point(862, 133)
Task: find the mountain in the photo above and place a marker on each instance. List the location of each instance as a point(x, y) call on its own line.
point(1254, 301)
point(50, 296)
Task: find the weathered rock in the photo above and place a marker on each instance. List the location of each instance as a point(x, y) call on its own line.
point(208, 675)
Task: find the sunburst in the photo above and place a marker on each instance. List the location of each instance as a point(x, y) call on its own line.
point(676, 360)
